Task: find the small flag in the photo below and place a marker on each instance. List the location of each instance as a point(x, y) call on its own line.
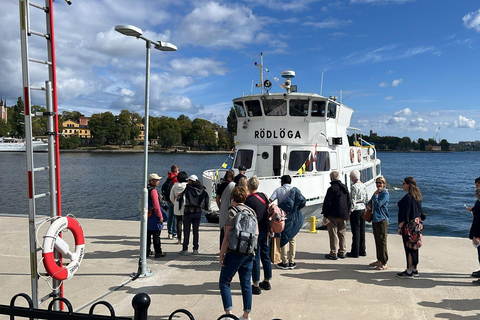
point(302, 169)
point(224, 165)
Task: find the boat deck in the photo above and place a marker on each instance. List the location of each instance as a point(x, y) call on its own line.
point(317, 289)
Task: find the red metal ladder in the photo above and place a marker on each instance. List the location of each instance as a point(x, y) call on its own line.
point(53, 168)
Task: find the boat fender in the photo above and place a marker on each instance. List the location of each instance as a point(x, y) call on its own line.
point(352, 155)
point(52, 240)
point(359, 153)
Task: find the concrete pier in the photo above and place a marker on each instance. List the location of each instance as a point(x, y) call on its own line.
point(317, 289)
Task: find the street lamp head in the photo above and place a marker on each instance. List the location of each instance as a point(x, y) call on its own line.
point(165, 46)
point(129, 30)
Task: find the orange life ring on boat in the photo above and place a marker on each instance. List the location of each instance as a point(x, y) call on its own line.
point(359, 153)
point(52, 240)
point(352, 155)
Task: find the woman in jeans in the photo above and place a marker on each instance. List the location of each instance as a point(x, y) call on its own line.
point(233, 262)
point(379, 205)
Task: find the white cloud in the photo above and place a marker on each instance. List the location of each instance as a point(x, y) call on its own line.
point(397, 120)
point(404, 112)
point(219, 25)
point(388, 98)
point(396, 83)
point(472, 20)
point(198, 67)
point(329, 23)
point(418, 122)
point(379, 1)
point(463, 122)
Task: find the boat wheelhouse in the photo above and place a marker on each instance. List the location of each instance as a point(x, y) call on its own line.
point(303, 135)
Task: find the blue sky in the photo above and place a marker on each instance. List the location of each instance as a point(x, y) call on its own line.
point(407, 67)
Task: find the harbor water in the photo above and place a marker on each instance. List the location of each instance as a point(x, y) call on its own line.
point(108, 185)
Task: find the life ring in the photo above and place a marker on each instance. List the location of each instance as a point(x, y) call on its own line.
point(352, 155)
point(52, 240)
point(359, 153)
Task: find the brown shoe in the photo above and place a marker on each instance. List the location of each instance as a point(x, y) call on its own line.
point(376, 264)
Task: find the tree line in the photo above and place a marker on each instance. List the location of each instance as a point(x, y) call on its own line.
point(125, 129)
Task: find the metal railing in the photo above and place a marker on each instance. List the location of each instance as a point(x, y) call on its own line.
point(140, 302)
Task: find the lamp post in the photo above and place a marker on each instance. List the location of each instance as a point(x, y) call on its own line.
point(133, 31)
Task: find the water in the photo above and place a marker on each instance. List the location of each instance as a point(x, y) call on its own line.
point(108, 185)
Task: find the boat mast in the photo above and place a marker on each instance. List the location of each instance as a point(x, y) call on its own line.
point(261, 72)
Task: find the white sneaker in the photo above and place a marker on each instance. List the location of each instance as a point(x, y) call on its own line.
point(240, 317)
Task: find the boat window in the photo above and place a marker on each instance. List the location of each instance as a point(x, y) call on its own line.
point(244, 157)
point(298, 107)
point(300, 158)
point(275, 107)
point(323, 161)
point(253, 108)
point(332, 110)
point(318, 109)
point(379, 169)
point(366, 174)
point(239, 110)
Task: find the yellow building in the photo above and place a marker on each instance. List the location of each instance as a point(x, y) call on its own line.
point(71, 127)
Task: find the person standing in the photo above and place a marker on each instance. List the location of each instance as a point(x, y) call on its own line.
point(175, 193)
point(336, 206)
point(196, 199)
point(379, 205)
point(241, 174)
point(290, 200)
point(223, 200)
point(359, 197)
point(233, 262)
point(258, 201)
point(166, 188)
point(475, 228)
point(155, 217)
point(408, 210)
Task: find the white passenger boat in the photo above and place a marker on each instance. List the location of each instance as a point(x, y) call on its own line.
point(18, 145)
point(303, 135)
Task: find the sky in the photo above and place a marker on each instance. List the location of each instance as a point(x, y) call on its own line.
point(407, 67)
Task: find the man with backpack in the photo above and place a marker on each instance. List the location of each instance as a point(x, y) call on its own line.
point(166, 187)
point(290, 200)
point(237, 251)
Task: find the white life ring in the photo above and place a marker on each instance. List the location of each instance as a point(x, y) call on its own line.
point(352, 155)
point(52, 240)
point(359, 152)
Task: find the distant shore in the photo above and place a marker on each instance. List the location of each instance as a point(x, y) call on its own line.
point(139, 149)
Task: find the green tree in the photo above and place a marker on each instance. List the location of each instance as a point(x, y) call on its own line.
point(231, 126)
point(405, 143)
point(103, 129)
point(39, 124)
point(71, 142)
point(16, 118)
point(421, 144)
point(70, 115)
point(185, 127)
point(445, 145)
point(203, 134)
point(125, 127)
point(3, 128)
point(168, 132)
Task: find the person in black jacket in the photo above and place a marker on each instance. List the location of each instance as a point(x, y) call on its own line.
point(195, 198)
point(475, 229)
point(335, 208)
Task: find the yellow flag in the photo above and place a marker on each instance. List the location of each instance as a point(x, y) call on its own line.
point(224, 165)
point(302, 169)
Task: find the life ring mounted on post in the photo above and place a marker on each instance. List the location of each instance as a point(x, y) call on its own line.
point(52, 241)
point(352, 155)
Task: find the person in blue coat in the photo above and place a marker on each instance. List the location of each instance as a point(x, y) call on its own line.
point(379, 205)
point(290, 200)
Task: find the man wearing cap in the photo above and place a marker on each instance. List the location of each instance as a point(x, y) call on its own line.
point(194, 199)
point(241, 174)
point(155, 216)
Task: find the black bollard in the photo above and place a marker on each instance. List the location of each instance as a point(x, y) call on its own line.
point(140, 303)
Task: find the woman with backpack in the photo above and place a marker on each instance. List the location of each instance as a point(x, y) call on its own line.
point(175, 193)
point(236, 255)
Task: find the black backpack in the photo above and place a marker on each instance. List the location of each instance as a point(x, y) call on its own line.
point(166, 187)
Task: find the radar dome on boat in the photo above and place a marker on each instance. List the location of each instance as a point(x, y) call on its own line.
point(289, 74)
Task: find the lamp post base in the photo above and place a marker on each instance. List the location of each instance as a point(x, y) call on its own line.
point(147, 274)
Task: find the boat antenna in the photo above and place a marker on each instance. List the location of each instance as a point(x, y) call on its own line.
point(251, 89)
point(321, 84)
point(261, 72)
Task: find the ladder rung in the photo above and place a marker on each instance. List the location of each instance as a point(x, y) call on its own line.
point(40, 169)
point(37, 6)
point(40, 61)
point(46, 36)
point(42, 195)
point(37, 88)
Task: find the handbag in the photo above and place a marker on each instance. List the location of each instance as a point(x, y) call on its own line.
point(412, 231)
point(368, 215)
point(423, 216)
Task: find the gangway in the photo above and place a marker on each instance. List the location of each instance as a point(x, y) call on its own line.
point(49, 89)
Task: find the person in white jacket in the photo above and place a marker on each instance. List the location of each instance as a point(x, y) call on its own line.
point(177, 191)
